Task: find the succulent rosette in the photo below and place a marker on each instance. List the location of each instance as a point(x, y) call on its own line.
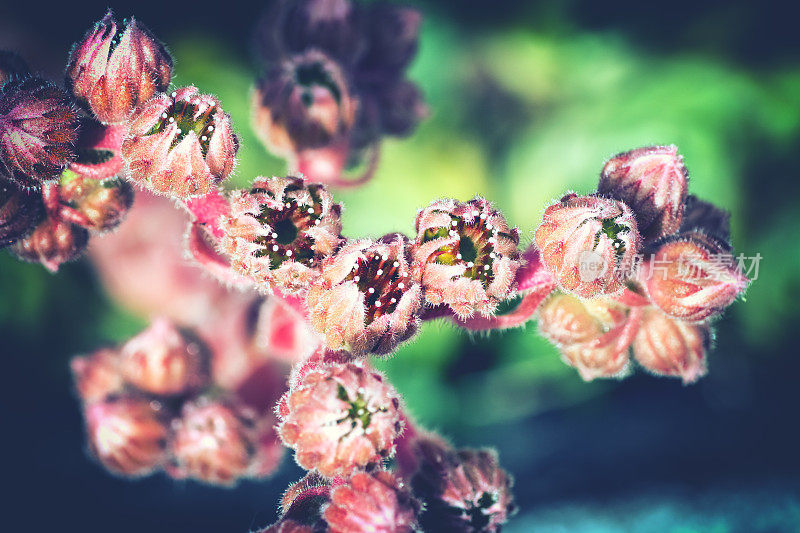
point(340, 417)
point(180, 144)
point(278, 232)
point(366, 298)
point(467, 256)
point(116, 68)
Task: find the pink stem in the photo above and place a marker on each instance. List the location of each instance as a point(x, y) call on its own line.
point(326, 165)
point(524, 311)
point(631, 298)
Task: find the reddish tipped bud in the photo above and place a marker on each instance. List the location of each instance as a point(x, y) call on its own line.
point(117, 68)
point(303, 103)
point(589, 244)
point(127, 435)
point(692, 277)
point(366, 299)
point(670, 347)
point(97, 376)
point(372, 502)
point(12, 67)
point(467, 256)
point(340, 417)
point(566, 320)
point(99, 205)
point(653, 182)
point(20, 211)
point(38, 128)
point(162, 360)
point(52, 242)
point(279, 231)
point(180, 144)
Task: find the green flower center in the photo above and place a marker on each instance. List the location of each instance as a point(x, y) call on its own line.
point(358, 409)
point(187, 117)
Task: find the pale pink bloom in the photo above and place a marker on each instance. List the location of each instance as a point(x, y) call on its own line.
point(115, 69)
point(278, 232)
point(589, 244)
point(340, 417)
point(671, 347)
point(366, 299)
point(282, 333)
point(97, 376)
point(376, 502)
point(653, 182)
point(180, 144)
point(164, 360)
point(466, 254)
point(127, 434)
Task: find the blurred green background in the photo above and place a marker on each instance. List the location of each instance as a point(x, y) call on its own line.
point(527, 100)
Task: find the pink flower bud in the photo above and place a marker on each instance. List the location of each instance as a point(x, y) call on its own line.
point(366, 299)
point(52, 242)
point(115, 69)
point(38, 128)
point(97, 376)
point(589, 244)
point(340, 417)
point(102, 205)
point(214, 441)
point(279, 231)
point(127, 435)
point(180, 144)
point(303, 103)
point(669, 347)
point(692, 277)
point(467, 255)
point(565, 320)
point(372, 502)
point(653, 182)
point(12, 67)
point(463, 490)
point(20, 212)
point(603, 357)
point(163, 360)
point(302, 505)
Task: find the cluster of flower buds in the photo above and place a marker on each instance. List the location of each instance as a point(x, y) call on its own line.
point(334, 82)
point(152, 405)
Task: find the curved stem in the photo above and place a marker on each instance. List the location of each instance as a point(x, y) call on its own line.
point(326, 165)
point(524, 312)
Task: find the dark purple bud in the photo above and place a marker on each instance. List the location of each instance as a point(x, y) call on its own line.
point(20, 211)
point(706, 217)
point(402, 108)
point(12, 67)
point(392, 38)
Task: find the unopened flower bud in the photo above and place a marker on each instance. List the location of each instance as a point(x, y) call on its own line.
point(671, 347)
point(20, 211)
point(117, 68)
point(279, 231)
point(706, 218)
point(100, 204)
point(565, 320)
point(340, 417)
point(467, 254)
point(163, 360)
point(302, 506)
point(589, 244)
point(392, 34)
point(127, 435)
point(303, 103)
point(653, 182)
point(38, 128)
point(463, 491)
point(12, 67)
point(372, 502)
point(366, 299)
point(692, 277)
point(180, 144)
point(52, 242)
point(603, 357)
point(213, 441)
point(97, 376)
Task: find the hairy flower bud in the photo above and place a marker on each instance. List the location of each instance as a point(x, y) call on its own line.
point(603, 357)
point(279, 231)
point(214, 441)
point(302, 103)
point(127, 435)
point(52, 242)
point(12, 66)
point(692, 277)
point(463, 491)
point(706, 218)
point(366, 299)
point(589, 244)
point(467, 255)
point(653, 182)
point(340, 417)
point(392, 34)
point(670, 347)
point(565, 320)
point(20, 211)
point(371, 502)
point(101, 205)
point(115, 69)
point(180, 144)
point(38, 128)
point(163, 360)
point(97, 376)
